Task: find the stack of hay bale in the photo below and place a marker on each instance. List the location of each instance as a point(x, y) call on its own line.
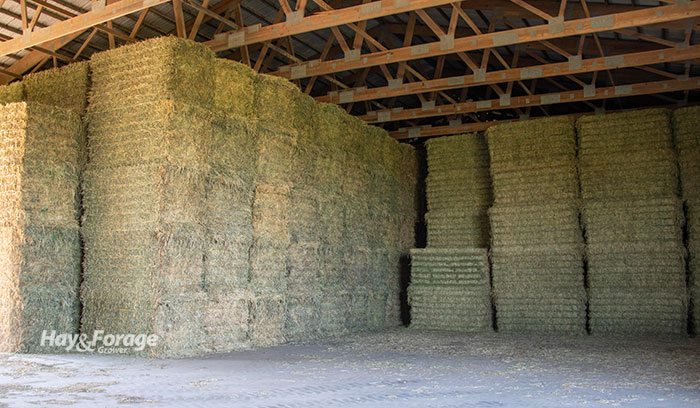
point(686, 130)
point(405, 170)
point(150, 131)
point(228, 220)
point(40, 253)
point(458, 189)
point(450, 289)
point(633, 222)
point(537, 254)
point(275, 144)
point(246, 219)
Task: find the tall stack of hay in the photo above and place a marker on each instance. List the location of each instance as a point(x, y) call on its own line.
point(450, 289)
point(537, 259)
point(42, 154)
point(458, 189)
point(405, 169)
point(633, 222)
point(229, 209)
point(145, 193)
point(686, 131)
point(248, 217)
point(275, 144)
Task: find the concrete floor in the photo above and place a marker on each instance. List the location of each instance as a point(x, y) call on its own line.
point(397, 368)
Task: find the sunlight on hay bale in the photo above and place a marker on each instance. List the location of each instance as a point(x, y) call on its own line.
point(234, 82)
point(633, 219)
point(538, 285)
point(39, 238)
point(66, 87)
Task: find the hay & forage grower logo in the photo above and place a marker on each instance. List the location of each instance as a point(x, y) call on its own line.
point(108, 343)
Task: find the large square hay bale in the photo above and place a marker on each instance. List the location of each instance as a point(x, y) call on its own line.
point(40, 161)
point(66, 87)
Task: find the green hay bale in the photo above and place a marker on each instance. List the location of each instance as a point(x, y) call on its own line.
point(449, 289)
point(234, 83)
point(267, 319)
point(280, 104)
point(521, 135)
point(40, 248)
point(66, 87)
point(11, 93)
point(164, 68)
point(161, 131)
point(458, 190)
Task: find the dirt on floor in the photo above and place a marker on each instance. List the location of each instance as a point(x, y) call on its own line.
point(395, 368)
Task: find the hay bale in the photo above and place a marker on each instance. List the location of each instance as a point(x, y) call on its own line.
point(536, 239)
point(234, 84)
point(458, 190)
point(40, 248)
point(450, 289)
point(633, 220)
point(11, 93)
point(66, 87)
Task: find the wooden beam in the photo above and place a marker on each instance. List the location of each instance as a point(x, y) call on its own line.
point(532, 9)
point(621, 91)
point(514, 74)
point(503, 38)
point(33, 58)
point(572, 11)
point(198, 21)
point(76, 24)
point(318, 21)
point(179, 19)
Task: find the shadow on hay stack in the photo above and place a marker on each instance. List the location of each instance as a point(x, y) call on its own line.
point(537, 245)
point(633, 224)
point(42, 154)
point(686, 130)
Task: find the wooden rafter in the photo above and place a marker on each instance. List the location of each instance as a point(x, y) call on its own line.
point(644, 88)
point(318, 21)
point(531, 72)
point(503, 38)
point(77, 24)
